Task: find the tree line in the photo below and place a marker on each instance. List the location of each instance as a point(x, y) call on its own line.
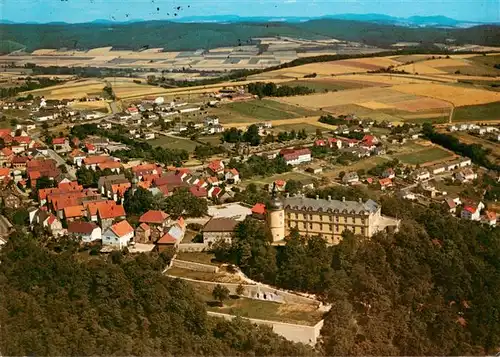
point(270, 89)
point(259, 166)
point(136, 149)
point(419, 291)
point(9, 92)
point(476, 152)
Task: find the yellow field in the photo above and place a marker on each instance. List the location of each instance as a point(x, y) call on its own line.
point(354, 96)
point(385, 79)
point(375, 105)
point(100, 104)
point(457, 95)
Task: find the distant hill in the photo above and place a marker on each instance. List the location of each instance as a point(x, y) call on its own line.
point(178, 36)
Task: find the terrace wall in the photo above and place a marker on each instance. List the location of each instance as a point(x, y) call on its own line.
point(191, 247)
point(258, 291)
point(184, 264)
point(296, 333)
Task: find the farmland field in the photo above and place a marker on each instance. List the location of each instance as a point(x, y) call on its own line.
point(210, 139)
point(490, 111)
point(458, 95)
point(424, 156)
point(260, 110)
point(322, 85)
point(169, 142)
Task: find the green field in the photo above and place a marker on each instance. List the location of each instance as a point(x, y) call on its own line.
point(490, 111)
point(421, 157)
point(173, 143)
point(297, 176)
point(309, 128)
point(265, 310)
point(324, 85)
point(259, 109)
point(211, 139)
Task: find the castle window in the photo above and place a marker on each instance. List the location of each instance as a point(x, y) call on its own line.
point(288, 215)
point(310, 225)
point(321, 226)
point(336, 228)
point(363, 221)
point(331, 218)
point(304, 224)
point(337, 219)
point(296, 216)
point(289, 223)
point(363, 230)
point(321, 217)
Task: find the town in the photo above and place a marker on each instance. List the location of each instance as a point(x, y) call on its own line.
point(344, 204)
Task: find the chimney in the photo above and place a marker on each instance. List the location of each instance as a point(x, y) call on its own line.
point(317, 197)
point(329, 198)
point(343, 199)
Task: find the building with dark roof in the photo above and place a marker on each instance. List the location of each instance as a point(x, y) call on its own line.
point(219, 229)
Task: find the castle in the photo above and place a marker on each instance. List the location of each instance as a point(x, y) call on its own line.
point(328, 218)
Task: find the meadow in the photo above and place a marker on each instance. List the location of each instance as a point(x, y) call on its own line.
point(426, 156)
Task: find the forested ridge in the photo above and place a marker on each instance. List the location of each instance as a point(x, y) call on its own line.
point(433, 288)
point(191, 36)
point(54, 304)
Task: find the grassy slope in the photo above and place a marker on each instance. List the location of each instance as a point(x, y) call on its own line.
point(490, 111)
point(421, 157)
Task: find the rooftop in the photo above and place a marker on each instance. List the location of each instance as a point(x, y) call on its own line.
point(305, 203)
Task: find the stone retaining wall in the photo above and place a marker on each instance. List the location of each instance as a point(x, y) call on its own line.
point(184, 264)
point(296, 333)
point(191, 247)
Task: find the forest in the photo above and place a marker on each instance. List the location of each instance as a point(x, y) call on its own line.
point(270, 89)
point(430, 289)
point(55, 303)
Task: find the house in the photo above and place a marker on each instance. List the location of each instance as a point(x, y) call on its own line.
point(219, 229)
point(86, 231)
point(489, 218)
point(20, 162)
point(106, 214)
point(155, 219)
point(214, 129)
point(389, 173)
point(296, 156)
point(91, 162)
point(314, 169)
point(213, 181)
point(118, 235)
point(472, 211)
point(465, 175)
point(146, 169)
point(46, 220)
point(216, 167)
point(369, 142)
point(259, 211)
point(77, 156)
point(198, 191)
point(385, 183)
point(72, 213)
point(61, 145)
point(232, 176)
point(407, 195)
point(421, 174)
point(350, 178)
point(6, 156)
point(451, 204)
point(214, 192)
point(113, 186)
point(173, 236)
point(143, 233)
point(208, 121)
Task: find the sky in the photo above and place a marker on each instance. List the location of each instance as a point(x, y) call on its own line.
point(75, 11)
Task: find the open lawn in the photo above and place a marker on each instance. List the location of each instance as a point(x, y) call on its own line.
point(265, 310)
point(173, 143)
point(297, 176)
point(259, 110)
point(309, 128)
point(490, 111)
point(424, 156)
point(197, 257)
point(210, 139)
point(365, 164)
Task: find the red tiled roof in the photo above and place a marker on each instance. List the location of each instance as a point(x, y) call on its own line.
point(280, 183)
point(77, 153)
point(82, 227)
point(106, 212)
point(320, 142)
point(58, 141)
point(70, 186)
point(470, 209)
point(4, 132)
point(155, 217)
point(73, 211)
point(22, 139)
point(6, 152)
point(109, 165)
point(198, 191)
point(145, 167)
point(385, 182)
point(4, 171)
point(145, 184)
point(34, 175)
point(20, 160)
point(259, 208)
point(120, 188)
point(144, 226)
point(89, 147)
point(52, 219)
point(216, 166)
point(92, 160)
point(234, 172)
point(216, 191)
point(166, 239)
point(93, 207)
point(491, 216)
point(122, 228)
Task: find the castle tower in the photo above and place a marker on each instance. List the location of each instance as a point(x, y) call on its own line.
point(276, 217)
